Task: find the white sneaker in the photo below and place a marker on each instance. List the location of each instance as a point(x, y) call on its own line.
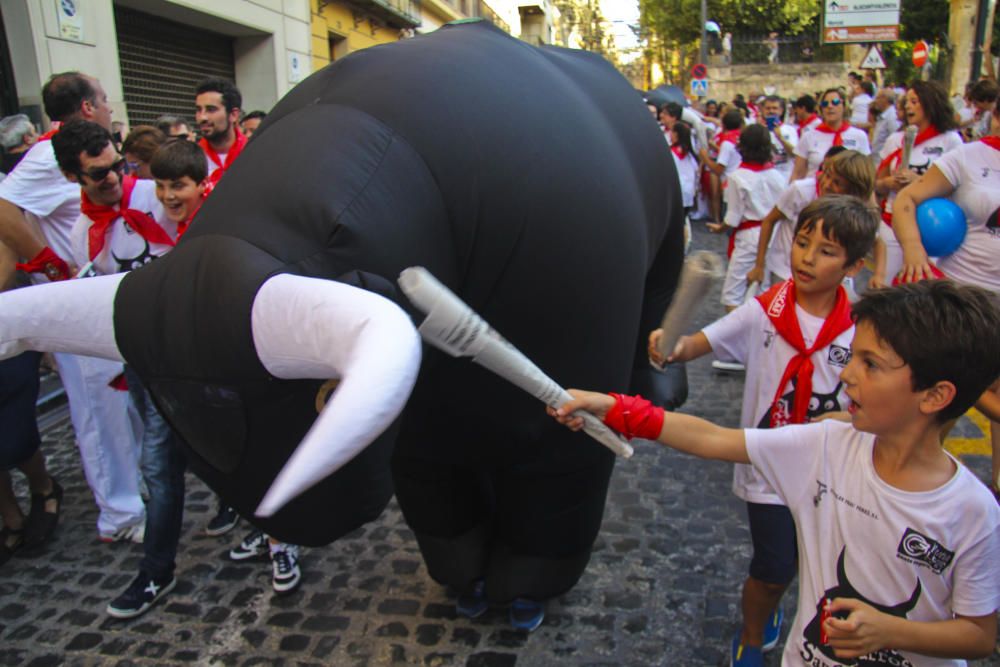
point(134, 533)
point(285, 572)
point(728, 366)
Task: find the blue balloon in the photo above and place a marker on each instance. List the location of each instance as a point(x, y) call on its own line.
point(942, 226)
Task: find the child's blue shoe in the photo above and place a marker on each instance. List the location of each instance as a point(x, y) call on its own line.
point(526, 614)
point(772, 631)
point(745, 656)
point(474, 603)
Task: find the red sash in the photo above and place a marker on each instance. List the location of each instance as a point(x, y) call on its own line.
point(779, 306)
point(746, 224)
point(838, 135)
point(805, 125)
point(929, 133)
point(234, 152)
point(992, 141)
point(103, 216)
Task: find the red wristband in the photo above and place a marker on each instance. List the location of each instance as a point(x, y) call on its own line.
point(635, 417)
point(47, 262)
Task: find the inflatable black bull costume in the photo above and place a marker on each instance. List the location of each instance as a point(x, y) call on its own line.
point(532, 182)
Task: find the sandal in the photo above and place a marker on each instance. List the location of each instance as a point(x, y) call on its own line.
point(41, 522)
point(10, 541)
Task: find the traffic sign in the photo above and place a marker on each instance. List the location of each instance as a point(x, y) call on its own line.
point(699, 87)
point(920, 51)
point(860, 21)
point(699, 71)
point(873, 60)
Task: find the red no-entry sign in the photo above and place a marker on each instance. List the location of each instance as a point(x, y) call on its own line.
point(920, 50)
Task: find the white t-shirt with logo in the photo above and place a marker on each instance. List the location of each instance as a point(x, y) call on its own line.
point(814, 144)
point(922, 156)
point(124, 249)
point(729, 157)
point(920, 555)
point(795, 197)
point(49, 201)
point(747, 335)
point(974, 170)
point(782, 160)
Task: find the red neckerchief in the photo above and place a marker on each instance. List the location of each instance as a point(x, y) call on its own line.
point(732, 136)
point(928, 133)
point(183, 225)
point(679, 152)
point(805, 125)
point(234, 152)
point(103, 216)
point(819, 173)
point(756, 166)
point(779, 306)
point(838, 135)
point(746, 224)
point(992, 141)
point(48, 135)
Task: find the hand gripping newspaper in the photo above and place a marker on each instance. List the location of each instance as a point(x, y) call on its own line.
point(454, 328)
point(701, 270)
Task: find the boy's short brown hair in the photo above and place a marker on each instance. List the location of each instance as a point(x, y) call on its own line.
point(856, 169)
point(179, 158)
point(848, 220)
point(943, 331)
point(143, 141)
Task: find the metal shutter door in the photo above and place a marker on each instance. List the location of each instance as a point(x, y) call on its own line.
point(162, 61)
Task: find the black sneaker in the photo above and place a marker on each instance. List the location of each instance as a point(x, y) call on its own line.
point(223, 522)
point(140, 595)
point(285, 573)
point(254, 545)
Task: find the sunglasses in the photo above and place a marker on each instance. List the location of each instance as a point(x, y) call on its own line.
point(825, 103)
point(98, 175)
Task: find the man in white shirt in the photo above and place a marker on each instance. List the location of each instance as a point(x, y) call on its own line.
point(38, 208)
point(886, 121)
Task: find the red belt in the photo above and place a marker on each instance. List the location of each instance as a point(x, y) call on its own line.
point(746, 224)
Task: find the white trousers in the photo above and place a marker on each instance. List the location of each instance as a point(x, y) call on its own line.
point(106, 436)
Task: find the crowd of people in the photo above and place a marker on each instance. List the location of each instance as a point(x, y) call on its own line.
point(81, 200)
point(808, 194)
point(809, 190)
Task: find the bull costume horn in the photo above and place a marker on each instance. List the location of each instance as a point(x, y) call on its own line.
point(344, 332)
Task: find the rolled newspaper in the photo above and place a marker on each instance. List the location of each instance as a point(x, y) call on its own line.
point(909, 138)
point(700, 270)
point(453, 327)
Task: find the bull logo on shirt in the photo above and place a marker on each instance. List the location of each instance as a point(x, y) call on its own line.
point(920, 169)
point(819, 403)
point(811, 648)
point(128, 263)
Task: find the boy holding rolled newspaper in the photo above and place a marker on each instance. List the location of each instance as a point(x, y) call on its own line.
point(794, 340)
point(899, 541)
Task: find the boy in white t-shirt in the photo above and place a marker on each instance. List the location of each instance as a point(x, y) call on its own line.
point(794, 340)
point(898, 541)
point(751, 193)
point(843, 172)
point(122, 227)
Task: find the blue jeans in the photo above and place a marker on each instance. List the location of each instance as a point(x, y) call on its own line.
point(162, 464)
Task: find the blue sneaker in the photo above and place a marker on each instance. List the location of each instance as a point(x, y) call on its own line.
point(526, 614)
point(745, 656)
point(772, 631)
point(474, 603)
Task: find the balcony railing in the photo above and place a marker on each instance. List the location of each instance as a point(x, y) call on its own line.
point(396, 13)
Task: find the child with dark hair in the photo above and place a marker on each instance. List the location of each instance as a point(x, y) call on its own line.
point(753, 189)
point(794, 340)
point(685, 161)
point(898, 541)
point(181, 181)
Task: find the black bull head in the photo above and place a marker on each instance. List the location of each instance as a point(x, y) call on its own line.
point(531, 181)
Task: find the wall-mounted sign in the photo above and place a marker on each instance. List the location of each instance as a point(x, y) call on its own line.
point(851, 21)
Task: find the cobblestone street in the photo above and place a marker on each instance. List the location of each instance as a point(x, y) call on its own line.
point(662, 587)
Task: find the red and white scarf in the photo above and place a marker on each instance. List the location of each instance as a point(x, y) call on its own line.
point(779, 306)
point(892, 160)
point(222, 167)
point(805, 124)
point(103, 216)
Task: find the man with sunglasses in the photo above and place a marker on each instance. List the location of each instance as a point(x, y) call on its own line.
point(38, 208)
